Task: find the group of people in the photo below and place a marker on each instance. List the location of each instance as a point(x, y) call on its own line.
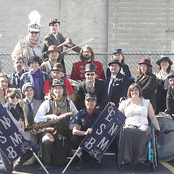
point(38, 91)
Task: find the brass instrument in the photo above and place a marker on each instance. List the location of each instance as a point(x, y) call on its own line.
point(67, 42)
point(41, 126)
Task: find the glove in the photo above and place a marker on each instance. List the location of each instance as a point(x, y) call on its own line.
point(157, 133)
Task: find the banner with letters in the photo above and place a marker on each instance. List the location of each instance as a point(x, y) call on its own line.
point(12, 143)
point(104, 131)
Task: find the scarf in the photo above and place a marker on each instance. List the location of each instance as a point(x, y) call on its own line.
point(36, 76)
point(90, 115)
point(161, 75)
point(32, 44)
point(59, 106)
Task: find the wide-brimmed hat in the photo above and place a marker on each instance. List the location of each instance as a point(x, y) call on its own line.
point(92, 96)
point(164, 58)
point(114, 61)
point(53, 21)
point(90, 67)
point(53, 48)
point(117, 51)
point(58, 82)
point(145, 61)
point(58, 67)
point(34, 59)
point(26, 85)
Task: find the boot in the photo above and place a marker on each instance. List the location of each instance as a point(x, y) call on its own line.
point(79, 166)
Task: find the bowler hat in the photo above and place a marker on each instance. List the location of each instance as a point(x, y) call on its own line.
point(53, 21)
point(58, 67)
point(164, 58)
point(58, 82)
point(117, 51)
point(53, 48)
point(114, 61)
point(34, 59)
point(145, 61)
point(90, 67)
point(92, 96)
point(26, 85)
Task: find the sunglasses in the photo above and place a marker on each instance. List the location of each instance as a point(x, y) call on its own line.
point(34, 32)
point(90, 74)
point(17, 96)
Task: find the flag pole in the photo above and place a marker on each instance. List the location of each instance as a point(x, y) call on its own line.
point(71, 160)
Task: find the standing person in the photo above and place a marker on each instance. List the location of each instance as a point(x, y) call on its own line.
point(92, 85)
point(86, 56)
point(14, 110)
point(147, 81)
point(4, 84)
point(164, 69)
point(35, 76)
point(53, 54)
point(56, 38)
point(14, 78)
point(118, 55)
point(117, 84)
point(30, 45)
point(82, 126)
point(60, 137)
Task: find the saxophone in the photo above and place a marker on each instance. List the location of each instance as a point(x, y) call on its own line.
point(41, 126)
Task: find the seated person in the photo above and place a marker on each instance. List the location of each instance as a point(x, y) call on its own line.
point(58, 134)
point(82, 125)
point(136, 131)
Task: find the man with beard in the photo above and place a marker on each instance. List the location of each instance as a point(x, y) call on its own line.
point(87, 56)
point(4, 84)
point(14, 78)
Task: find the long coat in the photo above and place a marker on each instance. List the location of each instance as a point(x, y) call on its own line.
point(51, 40)
point(119, 88)
point(100, 92)
point(148, 85)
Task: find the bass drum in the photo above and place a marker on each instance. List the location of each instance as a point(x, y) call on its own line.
point(165, 141)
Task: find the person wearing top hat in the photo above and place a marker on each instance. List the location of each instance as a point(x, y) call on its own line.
point(147, 81)
point(53, 54)
point(30, 45)
point(82, 126)
point(92, 85)
point(56, 38)
point(58, 136)
point(87, 55)
point(124, 69)
point(35, 76)
point(117, 83)
point(58, 73)
point(164, 70)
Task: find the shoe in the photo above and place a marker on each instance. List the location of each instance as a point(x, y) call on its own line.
point(96, 163)
point(47, 167)
point(79, 166)
point(21, 168)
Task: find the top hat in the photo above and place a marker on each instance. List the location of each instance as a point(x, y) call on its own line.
point(53, 48)
point(92, 96)
point(34, 59)
point(58, 67)
point(117, 51)
point(145, 61)
point(53, 21)
point(26, 85)
point(162, 59)
point(58, 82)
point(90, 67)
point(114, 61)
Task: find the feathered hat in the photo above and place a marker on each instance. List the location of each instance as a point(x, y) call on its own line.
point(34, 24)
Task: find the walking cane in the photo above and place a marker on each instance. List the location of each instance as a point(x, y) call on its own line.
point(71, 160)
point(39, 161)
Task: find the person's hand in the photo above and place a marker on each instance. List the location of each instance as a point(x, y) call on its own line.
point(52, 117)
point(157, 133)
point(112, 104)
point(21, 130)
point(89, 131)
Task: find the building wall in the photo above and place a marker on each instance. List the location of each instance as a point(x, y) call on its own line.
point(133, 25)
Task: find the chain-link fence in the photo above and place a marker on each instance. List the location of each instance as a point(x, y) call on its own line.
point(132, 59)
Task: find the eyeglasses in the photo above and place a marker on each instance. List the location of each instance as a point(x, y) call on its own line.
point(17, 96)
point(90, 74)
point(32, 32)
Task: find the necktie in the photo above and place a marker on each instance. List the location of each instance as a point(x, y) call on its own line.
point(58, 39)
point(110, 88)
point(30, 114)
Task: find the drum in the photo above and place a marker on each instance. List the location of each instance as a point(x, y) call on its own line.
point(165, 140)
